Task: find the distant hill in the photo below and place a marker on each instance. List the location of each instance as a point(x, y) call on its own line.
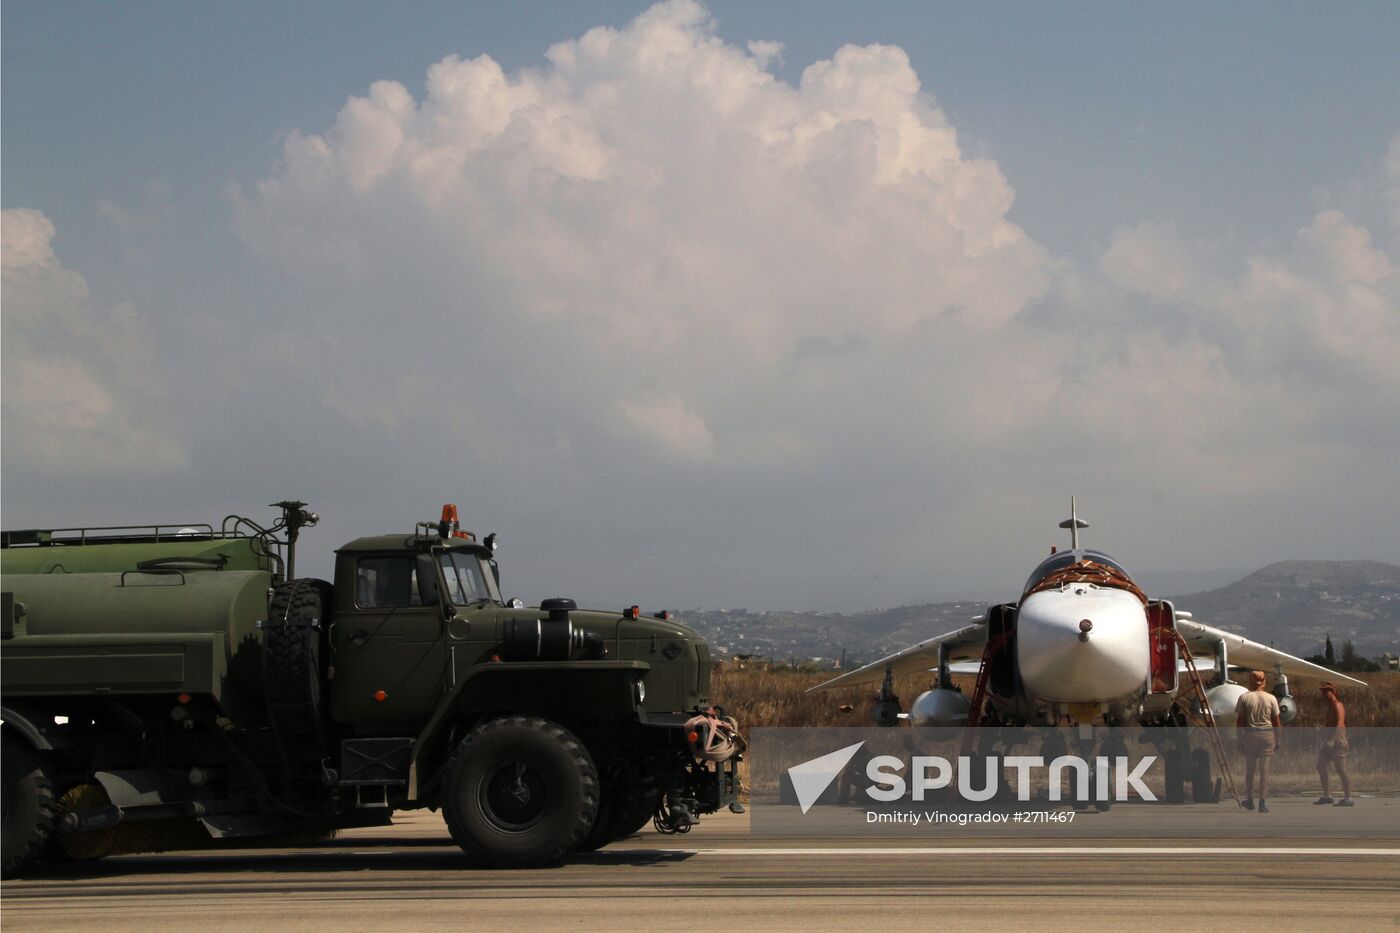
point(1291, 605)
point(825, 636)
point(1295, 604)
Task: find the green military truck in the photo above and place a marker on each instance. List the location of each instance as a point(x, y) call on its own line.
point(164, 680)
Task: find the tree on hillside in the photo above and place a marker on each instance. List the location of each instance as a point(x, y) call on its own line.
point(1351, 661)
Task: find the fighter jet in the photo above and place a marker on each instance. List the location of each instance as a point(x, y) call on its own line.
point(1082, 645)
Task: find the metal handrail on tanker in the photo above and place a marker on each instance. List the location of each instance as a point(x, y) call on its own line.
point(80, 535)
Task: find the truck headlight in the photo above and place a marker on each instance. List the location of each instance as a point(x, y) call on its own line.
point(641, 692)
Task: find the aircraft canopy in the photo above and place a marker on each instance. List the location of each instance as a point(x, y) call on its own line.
point(1063, 559)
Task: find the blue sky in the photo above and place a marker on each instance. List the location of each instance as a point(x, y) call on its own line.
point(1182, 216)
point(1216, 116)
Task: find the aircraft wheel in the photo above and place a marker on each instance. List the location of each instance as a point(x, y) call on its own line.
point(1176, 779)
point(1102, 805)
point(1202, 783)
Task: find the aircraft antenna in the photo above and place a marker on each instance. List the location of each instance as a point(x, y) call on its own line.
point(1073, 524)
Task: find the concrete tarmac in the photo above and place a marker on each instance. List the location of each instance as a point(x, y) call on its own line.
point(409, 876)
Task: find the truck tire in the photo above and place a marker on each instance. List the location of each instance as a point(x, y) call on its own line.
point(28, 806)
point(622, 811)
point(521, 792)
point(601, 832)
point(292, 661)
point(638, 814)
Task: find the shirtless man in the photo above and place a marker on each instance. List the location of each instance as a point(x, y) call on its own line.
point(1259, 729)
point(1334, 747)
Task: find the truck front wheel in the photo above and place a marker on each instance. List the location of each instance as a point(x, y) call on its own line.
point(28, 805)
point(521, 792)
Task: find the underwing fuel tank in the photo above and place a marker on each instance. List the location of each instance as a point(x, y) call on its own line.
point(940, 707)
point(1082, 644)
point(190, 632)
point(1223, 699)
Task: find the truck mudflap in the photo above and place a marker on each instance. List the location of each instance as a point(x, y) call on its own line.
point(712, 777)
point(707, 787)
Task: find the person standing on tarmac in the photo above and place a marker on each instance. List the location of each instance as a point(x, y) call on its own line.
point(1333, 748)
point(1259, 729)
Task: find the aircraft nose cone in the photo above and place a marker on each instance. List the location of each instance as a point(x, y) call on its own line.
point(1082, 646)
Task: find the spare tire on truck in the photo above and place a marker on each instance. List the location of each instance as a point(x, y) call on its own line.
point(28, 805)
point(292, 675)
point(521, 792)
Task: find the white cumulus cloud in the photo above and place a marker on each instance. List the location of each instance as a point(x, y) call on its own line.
point(651, 267)
point(653, 198)
point(668, 423)
point(74, 376)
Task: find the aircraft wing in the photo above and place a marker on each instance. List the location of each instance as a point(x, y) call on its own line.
point(965, 644)
point(1241, 652)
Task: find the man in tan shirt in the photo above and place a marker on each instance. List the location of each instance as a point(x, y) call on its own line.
point(1259, 728)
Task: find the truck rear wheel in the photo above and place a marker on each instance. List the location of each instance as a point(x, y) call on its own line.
point(27, 811)
point(638, 813)
point(624, 810)
point(521, 792)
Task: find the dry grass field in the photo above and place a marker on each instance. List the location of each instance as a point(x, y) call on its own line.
point(778, 697)
point(1376, 705)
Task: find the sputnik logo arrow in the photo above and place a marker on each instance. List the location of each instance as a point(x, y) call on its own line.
point(811, 778)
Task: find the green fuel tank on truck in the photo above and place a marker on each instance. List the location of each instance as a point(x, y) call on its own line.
point(187, 631)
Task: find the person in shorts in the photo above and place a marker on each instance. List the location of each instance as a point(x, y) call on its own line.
point(1333, 746)
point(1259, 729)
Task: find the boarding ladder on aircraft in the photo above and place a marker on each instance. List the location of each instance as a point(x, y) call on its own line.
point(1207, 718)
point(979, 692)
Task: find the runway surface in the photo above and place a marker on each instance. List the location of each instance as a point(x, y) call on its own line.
point(409, 877)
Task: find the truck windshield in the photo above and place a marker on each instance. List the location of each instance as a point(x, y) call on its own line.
point(466, 578)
